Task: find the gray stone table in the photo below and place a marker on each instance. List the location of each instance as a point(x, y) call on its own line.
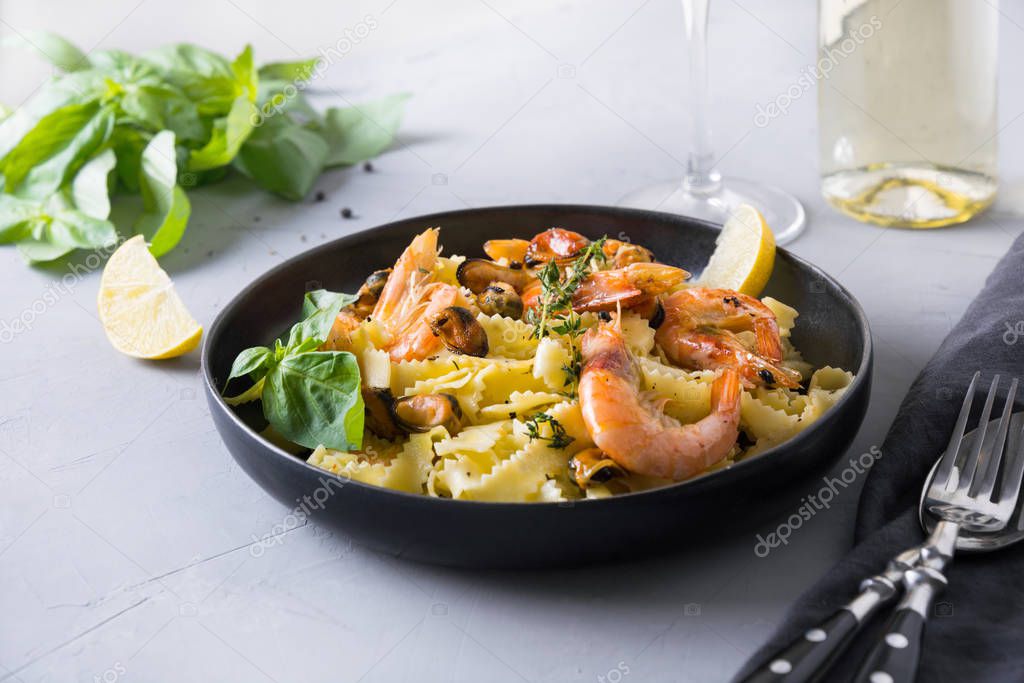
point(126, 529)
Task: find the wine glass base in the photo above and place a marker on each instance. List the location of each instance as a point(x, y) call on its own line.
point(782, 211)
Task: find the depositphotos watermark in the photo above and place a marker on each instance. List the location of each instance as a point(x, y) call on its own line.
point(1013, 332)
point(307, 504)
point(111, 675)
point(328, 57)
point(821, 500)
point(614, 674)
point(812, 73)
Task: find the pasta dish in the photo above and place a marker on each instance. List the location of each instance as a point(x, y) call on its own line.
point(555, 369)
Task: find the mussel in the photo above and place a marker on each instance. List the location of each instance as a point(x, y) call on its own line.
point(476, 274)
point(500, 298)
point(620, 254)
point(423, 413)
point(511, 251)
point(459, 331)
point(379, 416)
point(370, 291)
point(390, 418)
point(592, 466)
point(374, 284)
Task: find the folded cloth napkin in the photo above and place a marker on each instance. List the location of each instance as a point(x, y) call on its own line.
point(976, 631)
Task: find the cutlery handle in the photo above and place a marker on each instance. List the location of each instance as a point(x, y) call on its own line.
point(896, 655)
point(808, 658)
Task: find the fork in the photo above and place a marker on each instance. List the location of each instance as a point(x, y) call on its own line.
point(960, 498)
point(959, 503)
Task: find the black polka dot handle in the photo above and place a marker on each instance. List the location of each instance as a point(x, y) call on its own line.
point(895, 657)
point(808, 658)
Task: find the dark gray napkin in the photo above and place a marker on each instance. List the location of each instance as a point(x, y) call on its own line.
point(976, 632)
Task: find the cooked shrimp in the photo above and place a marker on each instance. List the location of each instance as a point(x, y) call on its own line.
point(554, 244)
point(605, 290)
point(633, 431)
point(531, 295)
point(413, 271)
point(340, 336)
point(413, 339)
point(635, 287)
point(411, 297)
point(699, 332)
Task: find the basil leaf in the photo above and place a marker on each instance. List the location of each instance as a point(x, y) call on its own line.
point(205, 77)
point(116, 61)
point(357, 133)
point(159, 107)
point(246, 77)
point(67, 230)
point(128, 145)
point(283, 157)
point(90, 190)
point(314, 398)
point(51, 47)
point(166, 207)
point(320, 308)
point(249, 361)
point(305, 346)
point(326, 300)
point(253, 393)
point(54, 148)
point(227, 136)
point(275, 100)
point(186, 62)
point(80, 230)
point(34, 251)
point(289, 71)
point(16, 217)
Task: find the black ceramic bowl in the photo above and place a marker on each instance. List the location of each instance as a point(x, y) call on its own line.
point(831, 330)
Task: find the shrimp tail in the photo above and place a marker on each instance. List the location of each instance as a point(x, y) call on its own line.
point(654, 278)
point(725, 392)
point(769, 344)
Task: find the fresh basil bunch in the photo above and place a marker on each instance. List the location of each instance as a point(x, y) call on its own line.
point(175, 116)
point(310, 397)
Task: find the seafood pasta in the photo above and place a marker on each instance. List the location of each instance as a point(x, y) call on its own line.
point(562, 368)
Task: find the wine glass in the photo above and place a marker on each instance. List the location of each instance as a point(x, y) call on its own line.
point(703, 192)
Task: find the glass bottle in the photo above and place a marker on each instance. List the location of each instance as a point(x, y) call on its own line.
point(907, 109)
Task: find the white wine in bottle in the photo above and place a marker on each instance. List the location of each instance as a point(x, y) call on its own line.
point(907, 109)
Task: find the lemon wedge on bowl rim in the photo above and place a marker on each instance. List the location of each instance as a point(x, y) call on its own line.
point(744, 254)
point(140, 311)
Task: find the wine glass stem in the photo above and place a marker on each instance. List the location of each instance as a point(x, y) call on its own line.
point(701, 176)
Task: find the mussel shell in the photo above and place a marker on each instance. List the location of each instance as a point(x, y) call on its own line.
point(380, 418)
point(460, 331)
point(374, 284)
point(424, 412)
point(475, 274)
point(499, 298)
point(593, 466)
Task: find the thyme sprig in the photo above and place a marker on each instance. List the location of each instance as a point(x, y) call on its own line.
point(559, 438)
point(557, 288)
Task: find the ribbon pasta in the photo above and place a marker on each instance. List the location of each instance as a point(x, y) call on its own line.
point(493, 458)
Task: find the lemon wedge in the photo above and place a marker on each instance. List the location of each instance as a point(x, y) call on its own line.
point(744, 254)
point(139, 309)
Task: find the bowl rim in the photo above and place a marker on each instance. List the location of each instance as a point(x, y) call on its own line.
point(861, 376)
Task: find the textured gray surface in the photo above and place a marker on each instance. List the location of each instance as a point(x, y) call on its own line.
point(126, 531)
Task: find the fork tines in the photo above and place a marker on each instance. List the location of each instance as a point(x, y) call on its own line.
point(957, 475)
